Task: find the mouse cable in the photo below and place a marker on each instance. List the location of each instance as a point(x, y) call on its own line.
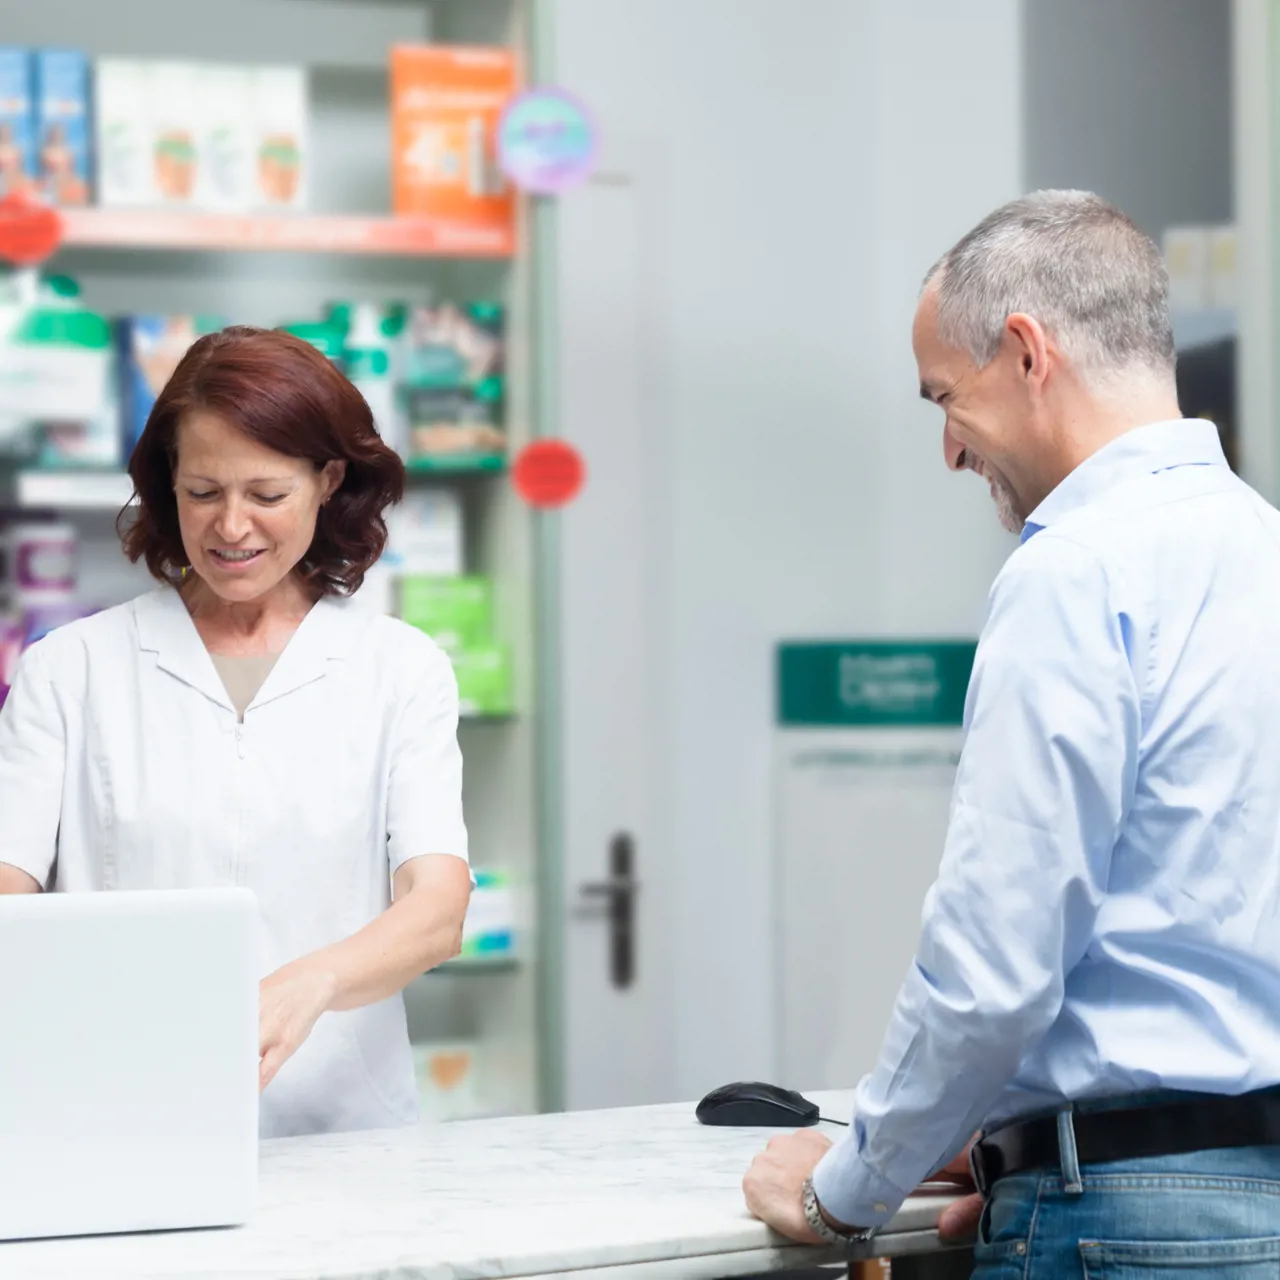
point(829, 1120)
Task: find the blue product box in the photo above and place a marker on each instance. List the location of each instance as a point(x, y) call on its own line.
point(17, 122)
point(60, 81)
point(150, 349)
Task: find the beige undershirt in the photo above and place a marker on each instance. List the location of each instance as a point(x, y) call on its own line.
point(243, 677)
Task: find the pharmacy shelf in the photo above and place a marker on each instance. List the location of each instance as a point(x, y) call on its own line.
point(456, 464)
point(74, 490)
point(111, 490)
point(163, 229)
point(476, 965)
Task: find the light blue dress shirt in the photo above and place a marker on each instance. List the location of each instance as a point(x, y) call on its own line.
point(1106, 918)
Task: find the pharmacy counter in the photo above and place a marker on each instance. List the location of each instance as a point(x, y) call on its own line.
point(639, 1194)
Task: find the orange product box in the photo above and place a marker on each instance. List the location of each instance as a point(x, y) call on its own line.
point(445, 104)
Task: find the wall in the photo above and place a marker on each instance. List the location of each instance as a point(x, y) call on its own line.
point(1132, 100)
point(816, 158)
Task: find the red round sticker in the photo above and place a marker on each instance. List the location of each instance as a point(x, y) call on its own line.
point(549, 473)
point(30, 231)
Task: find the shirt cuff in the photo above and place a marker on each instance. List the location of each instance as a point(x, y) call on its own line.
point(852, 1192)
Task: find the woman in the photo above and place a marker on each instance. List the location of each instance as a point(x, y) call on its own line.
point(249, 724)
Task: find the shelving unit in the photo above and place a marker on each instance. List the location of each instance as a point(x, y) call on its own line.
point(272, 270)
point(152, 230)
point(1200, 328)
point(73, 490)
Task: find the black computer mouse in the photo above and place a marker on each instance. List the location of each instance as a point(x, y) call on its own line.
point(752, 1103)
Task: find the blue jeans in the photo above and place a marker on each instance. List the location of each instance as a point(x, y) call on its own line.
point(1214, 1215)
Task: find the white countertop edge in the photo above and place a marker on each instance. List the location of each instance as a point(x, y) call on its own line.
point(721, 1266)
point(632, 1194)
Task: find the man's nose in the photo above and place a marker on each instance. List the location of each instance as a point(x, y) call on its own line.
point(952, 450)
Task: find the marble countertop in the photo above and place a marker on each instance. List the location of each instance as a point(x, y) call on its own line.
point(638, 1194)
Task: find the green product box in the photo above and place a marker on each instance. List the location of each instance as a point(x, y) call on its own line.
point(484, 680)
point(457, 613)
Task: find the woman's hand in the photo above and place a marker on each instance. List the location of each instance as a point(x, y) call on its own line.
point(422, 928)
point(290, 1001)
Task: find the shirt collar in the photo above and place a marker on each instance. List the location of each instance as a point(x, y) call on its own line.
point(1181, 442)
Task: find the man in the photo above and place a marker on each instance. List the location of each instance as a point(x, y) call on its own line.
point(1097, 985)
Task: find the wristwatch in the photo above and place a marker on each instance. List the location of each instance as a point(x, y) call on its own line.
point(813, 1215)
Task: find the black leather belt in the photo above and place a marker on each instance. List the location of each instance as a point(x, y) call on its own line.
point(1206, 1123)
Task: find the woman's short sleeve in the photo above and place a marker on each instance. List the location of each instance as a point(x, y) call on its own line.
point(33, 759)
point(424, 808)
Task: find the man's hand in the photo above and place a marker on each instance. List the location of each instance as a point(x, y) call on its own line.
point(290, 1002)
point(959, 1221)
point(774, 1184)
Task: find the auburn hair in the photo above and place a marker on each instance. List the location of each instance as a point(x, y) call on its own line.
point(286, 395)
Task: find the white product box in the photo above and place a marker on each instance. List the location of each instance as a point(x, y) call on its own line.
point(226, 138)
point(490, 925)
point(445, 1072)
point(123, 134)
point(426, 534)
point(1223, 272)
point(175, 93)
point(281, 137)
point(1186, 256)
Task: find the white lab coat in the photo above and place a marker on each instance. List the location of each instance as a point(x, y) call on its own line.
point(122, 766)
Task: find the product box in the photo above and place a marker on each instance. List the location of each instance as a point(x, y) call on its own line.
point(328, 339)
point(61, 81)
point(453, 429)
point(56, 384)
point(123, 134)
point(226, 138)
point(174, 101)
point(445, 105)
point(457, 613)
point(1186, 257)
point(17, 122)
point(452, 383)
point(149, 349)
point(490, 924)
point(425, 535)
point(1223, 278)
point(445, 1072)
point(281, 129)
point(483, 673)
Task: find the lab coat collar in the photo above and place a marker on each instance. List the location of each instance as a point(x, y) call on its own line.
point(328, 633)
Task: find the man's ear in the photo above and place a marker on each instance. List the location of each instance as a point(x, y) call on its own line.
point(1031, 345)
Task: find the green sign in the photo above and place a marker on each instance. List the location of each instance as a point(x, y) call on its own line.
point(873, 682)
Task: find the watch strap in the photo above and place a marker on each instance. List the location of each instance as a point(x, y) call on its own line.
point(824, 1229)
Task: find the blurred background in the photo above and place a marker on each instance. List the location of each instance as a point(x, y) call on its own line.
point(711, 704)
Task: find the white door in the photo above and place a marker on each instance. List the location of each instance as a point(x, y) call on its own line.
point(616, 999)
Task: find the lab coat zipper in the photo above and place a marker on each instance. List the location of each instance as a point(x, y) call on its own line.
point(237, 804)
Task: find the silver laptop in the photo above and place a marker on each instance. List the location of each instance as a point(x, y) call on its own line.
point(128, 1061)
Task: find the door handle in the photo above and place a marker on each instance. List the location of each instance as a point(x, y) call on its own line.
point(617, 897)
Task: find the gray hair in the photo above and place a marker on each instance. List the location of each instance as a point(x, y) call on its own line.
point(1076, 264)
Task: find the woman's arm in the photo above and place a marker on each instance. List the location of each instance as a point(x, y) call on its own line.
point(14, 880)
point(33, 755)
point(421, 929)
